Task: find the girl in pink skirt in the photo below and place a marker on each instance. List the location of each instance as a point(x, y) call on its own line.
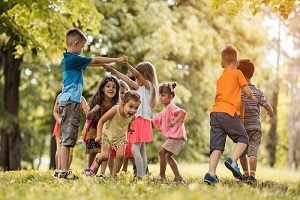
point(146, 85)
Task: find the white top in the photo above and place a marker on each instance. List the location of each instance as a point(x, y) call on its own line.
point(144, 109)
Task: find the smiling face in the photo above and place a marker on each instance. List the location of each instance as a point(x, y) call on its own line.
point(131, 107)
point(110, 89)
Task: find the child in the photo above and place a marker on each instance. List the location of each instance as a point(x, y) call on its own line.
point(224, 116)
point(69, 102)
point(104, 99)
point(146, 85)
point(170, 123)
point(250, 115)
point(56, 134)
point(128, 154)
point(112, 127)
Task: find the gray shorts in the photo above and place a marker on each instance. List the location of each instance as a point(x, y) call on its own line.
point(70, 114)
point(223, 125)
point(254, 142)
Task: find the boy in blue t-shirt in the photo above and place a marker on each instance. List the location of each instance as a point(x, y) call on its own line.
point(69, 102)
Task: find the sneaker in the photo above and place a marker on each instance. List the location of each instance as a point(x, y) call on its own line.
point(252, 180)
point(87, 171)
point(68, 175)
point(101, 177)
point(244, 178)
point(233, 168)
point(55, 175)
point(210, 180)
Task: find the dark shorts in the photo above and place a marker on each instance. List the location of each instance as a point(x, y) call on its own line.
point(70, 119)
point(223, 125)
point(254, 142)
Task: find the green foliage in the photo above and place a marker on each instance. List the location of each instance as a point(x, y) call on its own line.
point(284, 7)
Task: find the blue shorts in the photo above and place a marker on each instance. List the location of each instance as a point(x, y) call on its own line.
point(223, 125)
point(70, 115)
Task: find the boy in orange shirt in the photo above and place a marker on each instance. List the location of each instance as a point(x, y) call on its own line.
point(224, 116)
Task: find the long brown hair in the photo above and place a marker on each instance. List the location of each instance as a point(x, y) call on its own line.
point(99, 96)
point(147, 70)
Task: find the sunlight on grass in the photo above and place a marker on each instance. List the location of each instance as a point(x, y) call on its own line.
point(273, 184)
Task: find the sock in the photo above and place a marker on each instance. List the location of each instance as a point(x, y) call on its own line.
point(246, 173)
point(252, 173)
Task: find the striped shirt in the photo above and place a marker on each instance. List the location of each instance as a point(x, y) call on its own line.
point(252, 110)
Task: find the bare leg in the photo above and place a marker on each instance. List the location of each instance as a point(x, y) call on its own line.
point(119, 161)
point(65, 151)
point(213, 161)
point(111, 162)
point(103, 167)
point(238, 151)
point(125, 164)
point(244, 164)
point(253, 165)
point(173, 164)
point(162, 162)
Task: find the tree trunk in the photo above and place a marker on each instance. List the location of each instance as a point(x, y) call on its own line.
point(10, 156)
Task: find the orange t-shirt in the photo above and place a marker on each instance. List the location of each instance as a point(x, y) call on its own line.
point(228, 94)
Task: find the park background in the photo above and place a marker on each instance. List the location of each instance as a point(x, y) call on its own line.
point(183, 40)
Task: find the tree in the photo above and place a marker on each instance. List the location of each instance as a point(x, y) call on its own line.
point(284, 7)
point(35, 30)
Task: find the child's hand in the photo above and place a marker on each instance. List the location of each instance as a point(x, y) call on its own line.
point(130, 130)
point(108, 67)
point(98, 139)
point(123, 59)
point(96, 108)
point(271, 114)
point(172, 123)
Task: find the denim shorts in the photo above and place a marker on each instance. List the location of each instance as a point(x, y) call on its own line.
point(223, 125)
point(70, 115)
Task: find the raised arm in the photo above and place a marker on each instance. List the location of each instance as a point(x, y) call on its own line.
point(98, 60)
point(138, 76)
point(108, 115)
point(132, 84)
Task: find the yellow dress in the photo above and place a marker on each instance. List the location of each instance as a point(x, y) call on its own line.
point(114, 130)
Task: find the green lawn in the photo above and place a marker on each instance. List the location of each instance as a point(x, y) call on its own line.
point(273, 184)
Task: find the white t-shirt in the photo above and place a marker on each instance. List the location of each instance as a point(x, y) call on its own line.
point(144, 109)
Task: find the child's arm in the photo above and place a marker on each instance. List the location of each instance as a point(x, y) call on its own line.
point(177, 118)
point(125, 78)
point(98, 60)
point(248, 93)
point(90, 114)
point(55, 110)
point(242, 111)
point(129, 129)
point(269, 109)
point(84, 105)
point(108, 115)
point(138, 76)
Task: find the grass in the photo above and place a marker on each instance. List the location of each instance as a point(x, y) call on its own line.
point(273, 184)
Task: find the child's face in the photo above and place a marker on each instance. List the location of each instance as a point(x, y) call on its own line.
point(131, 107)
point(165, 98)
point(110, 89)
point(122, 91)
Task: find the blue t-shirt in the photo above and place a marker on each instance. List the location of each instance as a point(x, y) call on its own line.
point(72, 66)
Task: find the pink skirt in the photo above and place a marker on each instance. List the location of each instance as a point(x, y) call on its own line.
point(142, 131)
